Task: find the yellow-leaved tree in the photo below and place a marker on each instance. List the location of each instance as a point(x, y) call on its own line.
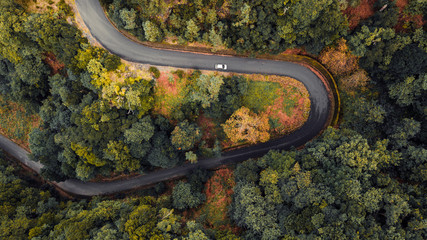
point(244, 125)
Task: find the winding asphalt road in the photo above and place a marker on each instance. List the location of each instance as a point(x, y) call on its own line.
point(94, 18)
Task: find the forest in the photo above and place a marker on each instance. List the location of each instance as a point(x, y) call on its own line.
point(101, 119)
point(28, 212)
point(363, 179)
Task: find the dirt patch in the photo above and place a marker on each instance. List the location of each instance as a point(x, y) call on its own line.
point(407, 22)
point(16, 124)
point(209, 129)
point(40, 6)
point(169, 82)
point(173, 41)
point(290, 109)
point(55, 65)
point(114, 177)
point(359, 13)
point(296, 51)
point(401, 4)
point(171, 88)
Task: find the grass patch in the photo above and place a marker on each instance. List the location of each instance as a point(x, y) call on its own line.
point(260, 95)
point(16, 123)
point(170, 92)
point(289, 105)
point(355, 14)
point(284, 100)
point(290, 101)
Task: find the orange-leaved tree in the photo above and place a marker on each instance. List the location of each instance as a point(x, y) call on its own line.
point(338, 60)
point(244, 125)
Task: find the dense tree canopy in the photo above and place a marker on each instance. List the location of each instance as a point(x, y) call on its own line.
point(257, 26)
point(29, 213)
point(339, 186)
point(184, 196)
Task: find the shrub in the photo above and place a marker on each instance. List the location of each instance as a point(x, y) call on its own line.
point(154, 71)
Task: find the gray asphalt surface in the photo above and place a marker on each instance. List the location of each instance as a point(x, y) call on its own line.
point(116, 43)
point(19, 153)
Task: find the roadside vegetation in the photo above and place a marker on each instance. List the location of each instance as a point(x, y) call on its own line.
point(96, 116)
point(15, 123)
point(219, 191)
point(244, 26)
point(280, 103)
point(30, 213)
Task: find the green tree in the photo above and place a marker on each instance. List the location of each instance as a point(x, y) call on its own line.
point(243, 16)
point(367, 37)
point(119, 153)
point(140, 131)
point(134, 95)
point(195, 231)
point(107, 232)
point(169, 222)
point(407, 129)
point(137, 137)
point(79, 223)
point(215, 38)
point(185, 197)
point(185, 135)
point(206, 90)
point(152, 31)
point(251, 210)
point(414, 167)
point(191, 156)
point(141, 223)
point(364, 115)
point(128, 17)
point(162, 157)
point(407, 91)
point(192, 31)
point(151, 7)
point(229, 98)
point(211, 17)
point(163, 153)
point(299, 193)
point(314, 24)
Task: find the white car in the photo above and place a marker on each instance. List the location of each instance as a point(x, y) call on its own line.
point(221, 66)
